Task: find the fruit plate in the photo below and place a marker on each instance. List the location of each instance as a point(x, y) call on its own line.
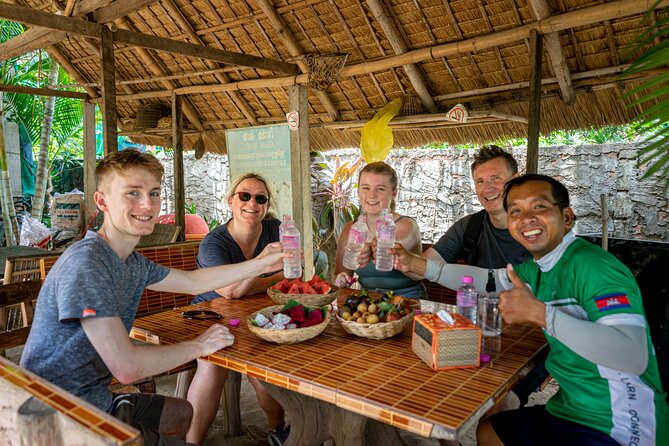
point(289, 336)
point(309, 300)
point(380, 330)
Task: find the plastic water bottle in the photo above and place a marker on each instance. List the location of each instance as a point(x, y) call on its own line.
point(282, 227)
point(291, 242)
point(467, 299)
point(357, 237)
point(385, 240)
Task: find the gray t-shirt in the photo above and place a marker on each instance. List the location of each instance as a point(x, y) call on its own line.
point(88, 280)
point(496, 248)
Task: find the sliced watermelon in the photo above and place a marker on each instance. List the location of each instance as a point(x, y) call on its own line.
point(282, 286)
point(294, 289)
point(307, 289)
point(322, 287)
point(315, 279)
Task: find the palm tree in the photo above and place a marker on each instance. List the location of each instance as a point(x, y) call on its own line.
point(652, 94)
point(47, 121)
point(32, 112)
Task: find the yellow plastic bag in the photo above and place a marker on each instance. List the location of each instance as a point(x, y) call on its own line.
point(377, 137)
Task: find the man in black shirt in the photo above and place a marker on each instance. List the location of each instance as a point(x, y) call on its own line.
point(481, 239)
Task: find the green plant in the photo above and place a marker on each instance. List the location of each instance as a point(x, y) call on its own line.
point(335, 182)
point(652, 94)
point(212, 222)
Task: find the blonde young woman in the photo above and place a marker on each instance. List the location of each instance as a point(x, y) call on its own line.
point(243, 237)
point(377, 189)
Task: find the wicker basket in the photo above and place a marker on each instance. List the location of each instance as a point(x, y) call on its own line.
point(289, 336)
point(309, 300)
point(382, 330)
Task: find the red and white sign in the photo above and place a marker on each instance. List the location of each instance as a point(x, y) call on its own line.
point(293, 119)
point(458, 114)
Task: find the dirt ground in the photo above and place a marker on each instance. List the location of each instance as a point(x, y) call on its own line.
point(254, 423)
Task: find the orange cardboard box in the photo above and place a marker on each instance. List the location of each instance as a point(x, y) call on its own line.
point(446, 346)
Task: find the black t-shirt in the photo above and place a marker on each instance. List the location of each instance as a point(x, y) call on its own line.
point(495, 246)
point(219, 248)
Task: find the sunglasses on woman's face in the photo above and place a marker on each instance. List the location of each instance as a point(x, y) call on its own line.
point(259, 198)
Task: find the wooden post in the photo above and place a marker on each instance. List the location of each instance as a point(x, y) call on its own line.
point(108, 90)
point(300, 174)
point(38, 424)
point(89, 158)
point(231, 413)
point(535, 103)
point(178, 160)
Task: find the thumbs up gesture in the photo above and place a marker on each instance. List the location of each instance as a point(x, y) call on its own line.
point(518, 305)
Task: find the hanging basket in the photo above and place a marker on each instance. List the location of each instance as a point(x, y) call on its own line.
point(148, 116)
point(324, 69)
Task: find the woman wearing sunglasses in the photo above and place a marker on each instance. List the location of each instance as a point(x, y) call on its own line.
point(251, 228)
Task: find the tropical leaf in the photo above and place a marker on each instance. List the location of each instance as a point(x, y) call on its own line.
point(652, 95)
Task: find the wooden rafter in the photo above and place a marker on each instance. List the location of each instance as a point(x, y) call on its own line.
point(157, 68)
point(79, 27)
point(498, 53)
point(43, 91)
point(372, 33)
point(468, 55)
point(182, 22)
point(38, 37)
point(541, 10)
point(294, 49)
point(582, 17)
point(399, 46)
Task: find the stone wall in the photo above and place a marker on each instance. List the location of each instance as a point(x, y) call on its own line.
point(436, 187)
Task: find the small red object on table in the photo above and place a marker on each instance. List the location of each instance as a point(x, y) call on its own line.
point(445, 346)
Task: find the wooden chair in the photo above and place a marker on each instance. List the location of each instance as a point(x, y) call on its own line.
point(163, 234)
point(14, 331)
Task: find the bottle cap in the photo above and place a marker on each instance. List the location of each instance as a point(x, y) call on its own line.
point(467, 279)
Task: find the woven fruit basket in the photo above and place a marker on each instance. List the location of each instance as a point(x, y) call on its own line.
point(289, 336)
point(308, 300)
point(380, 330)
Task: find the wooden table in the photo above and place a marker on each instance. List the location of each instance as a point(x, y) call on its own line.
point(356, 377)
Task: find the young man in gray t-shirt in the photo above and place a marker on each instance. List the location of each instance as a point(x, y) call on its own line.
point(79, 337)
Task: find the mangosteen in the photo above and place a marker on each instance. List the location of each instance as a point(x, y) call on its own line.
point(353, 301)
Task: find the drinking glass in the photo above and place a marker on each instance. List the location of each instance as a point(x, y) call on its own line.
point(490, 319)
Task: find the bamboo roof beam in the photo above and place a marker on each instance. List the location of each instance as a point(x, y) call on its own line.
point(67, 66)
point(80, 27)
point(372, 33)
point(399, 46)
point(38, 37)
point(294, 50)
point(582, 17)
point(581, 78)
point(498, 53)
point(541, 10)
point(235, 97)
point(43, 92)
point(468, 55)
point(427, 119)
point(156, 67)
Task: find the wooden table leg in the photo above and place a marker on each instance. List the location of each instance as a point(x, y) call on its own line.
point(231, 412)
point(313, 422)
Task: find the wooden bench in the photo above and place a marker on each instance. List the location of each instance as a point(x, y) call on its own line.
point(36, 412)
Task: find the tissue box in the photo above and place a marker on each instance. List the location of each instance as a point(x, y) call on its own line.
point(446, 346)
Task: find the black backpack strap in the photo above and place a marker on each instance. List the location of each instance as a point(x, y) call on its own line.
point(471, 237)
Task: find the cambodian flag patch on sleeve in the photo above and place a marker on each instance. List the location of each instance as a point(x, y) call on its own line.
point(88, 312)
point(613, 301)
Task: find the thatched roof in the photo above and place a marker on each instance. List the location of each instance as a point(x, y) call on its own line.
point(432, 53)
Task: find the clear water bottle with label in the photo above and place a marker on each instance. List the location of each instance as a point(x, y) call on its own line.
point(282, 227)
point(291, 242)
point(385, 240)
point(467, 299)
point(357, 237)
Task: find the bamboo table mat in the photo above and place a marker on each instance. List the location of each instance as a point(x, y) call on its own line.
point(383, 380)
